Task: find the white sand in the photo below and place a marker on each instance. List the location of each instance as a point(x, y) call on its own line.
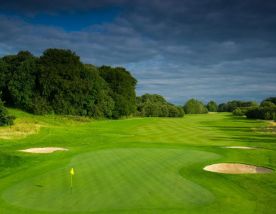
point(234, 168)
point(239, 147)
point(43, 150)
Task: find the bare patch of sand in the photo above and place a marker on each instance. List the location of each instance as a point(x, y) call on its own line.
point(235, 168)
point(43, 150)
point(239, 147)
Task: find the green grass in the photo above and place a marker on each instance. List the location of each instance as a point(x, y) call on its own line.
point(149, 165)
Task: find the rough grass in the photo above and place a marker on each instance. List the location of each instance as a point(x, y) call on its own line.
point(269, 128)
point(19, 130)
point(149, 165)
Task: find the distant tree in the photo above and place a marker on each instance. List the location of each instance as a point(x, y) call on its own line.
point(69, 87)
point(194, 106)
point(98, 94)
point(238, 112)
point(222, 107)
point(5, 119)
point(265, 113)
point(232, 105)
point(153, 110)
point(175, 111)
point(154, 105)
point(22, 84)
point(3, 73)
point(59, 80)
point(267, 104)
point(40, 105)
point(271, 99)
point(122, 90)
point(212, 106)
point(12, 63)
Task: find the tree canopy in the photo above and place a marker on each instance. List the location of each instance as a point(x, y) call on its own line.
point(232, 105)
point(122, 89)
point(5, 119)
point(266, 111)
point(269, 99)
point(58, 82)
point(154, 105)
point(212, 106)
point(194, 106)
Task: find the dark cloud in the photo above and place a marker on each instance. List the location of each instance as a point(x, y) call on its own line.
point(57, 6)
point(207, 49)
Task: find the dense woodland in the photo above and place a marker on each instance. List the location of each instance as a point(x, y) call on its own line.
point(59, 83)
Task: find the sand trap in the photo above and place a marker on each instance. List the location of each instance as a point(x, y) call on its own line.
point(235, 168)
point(239, 147)
point(43, 150)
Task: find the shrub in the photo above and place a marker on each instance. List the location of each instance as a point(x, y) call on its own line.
point(5, 119)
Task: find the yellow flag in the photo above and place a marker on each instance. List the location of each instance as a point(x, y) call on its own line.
point(72, 171)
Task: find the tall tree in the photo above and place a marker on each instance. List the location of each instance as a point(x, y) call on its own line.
point(154, 105)
point(12, 73)
point(22, 85)
point(122, 86)
point(194, 106)
point(212, 106)
point(5, 119)
point(270, 99)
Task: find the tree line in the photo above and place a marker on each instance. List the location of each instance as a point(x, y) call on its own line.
point(58, 82)
point(266, 110)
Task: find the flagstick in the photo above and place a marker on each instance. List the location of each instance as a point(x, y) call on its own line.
point(72, 174)
point(71, 183)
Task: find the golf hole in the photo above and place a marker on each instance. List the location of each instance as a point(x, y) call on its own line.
point(235, 168)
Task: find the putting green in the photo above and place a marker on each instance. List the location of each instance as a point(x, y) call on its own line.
point(116, 179)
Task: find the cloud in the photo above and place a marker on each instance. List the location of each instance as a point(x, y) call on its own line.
point(209, 49)
point(33, 7)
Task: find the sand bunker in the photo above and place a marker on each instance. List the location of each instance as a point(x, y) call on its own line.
point(234, 168)
point(239, 147)
point(43, 150)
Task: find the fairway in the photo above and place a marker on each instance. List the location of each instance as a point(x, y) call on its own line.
point(138, 165)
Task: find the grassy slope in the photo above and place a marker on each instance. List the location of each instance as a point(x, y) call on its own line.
point(145, 165)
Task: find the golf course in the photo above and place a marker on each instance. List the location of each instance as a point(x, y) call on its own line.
point(136, 165)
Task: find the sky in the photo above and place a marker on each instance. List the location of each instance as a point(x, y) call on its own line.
point(205, 49)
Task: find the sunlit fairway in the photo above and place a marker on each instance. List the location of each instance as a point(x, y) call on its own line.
point(137, 165)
